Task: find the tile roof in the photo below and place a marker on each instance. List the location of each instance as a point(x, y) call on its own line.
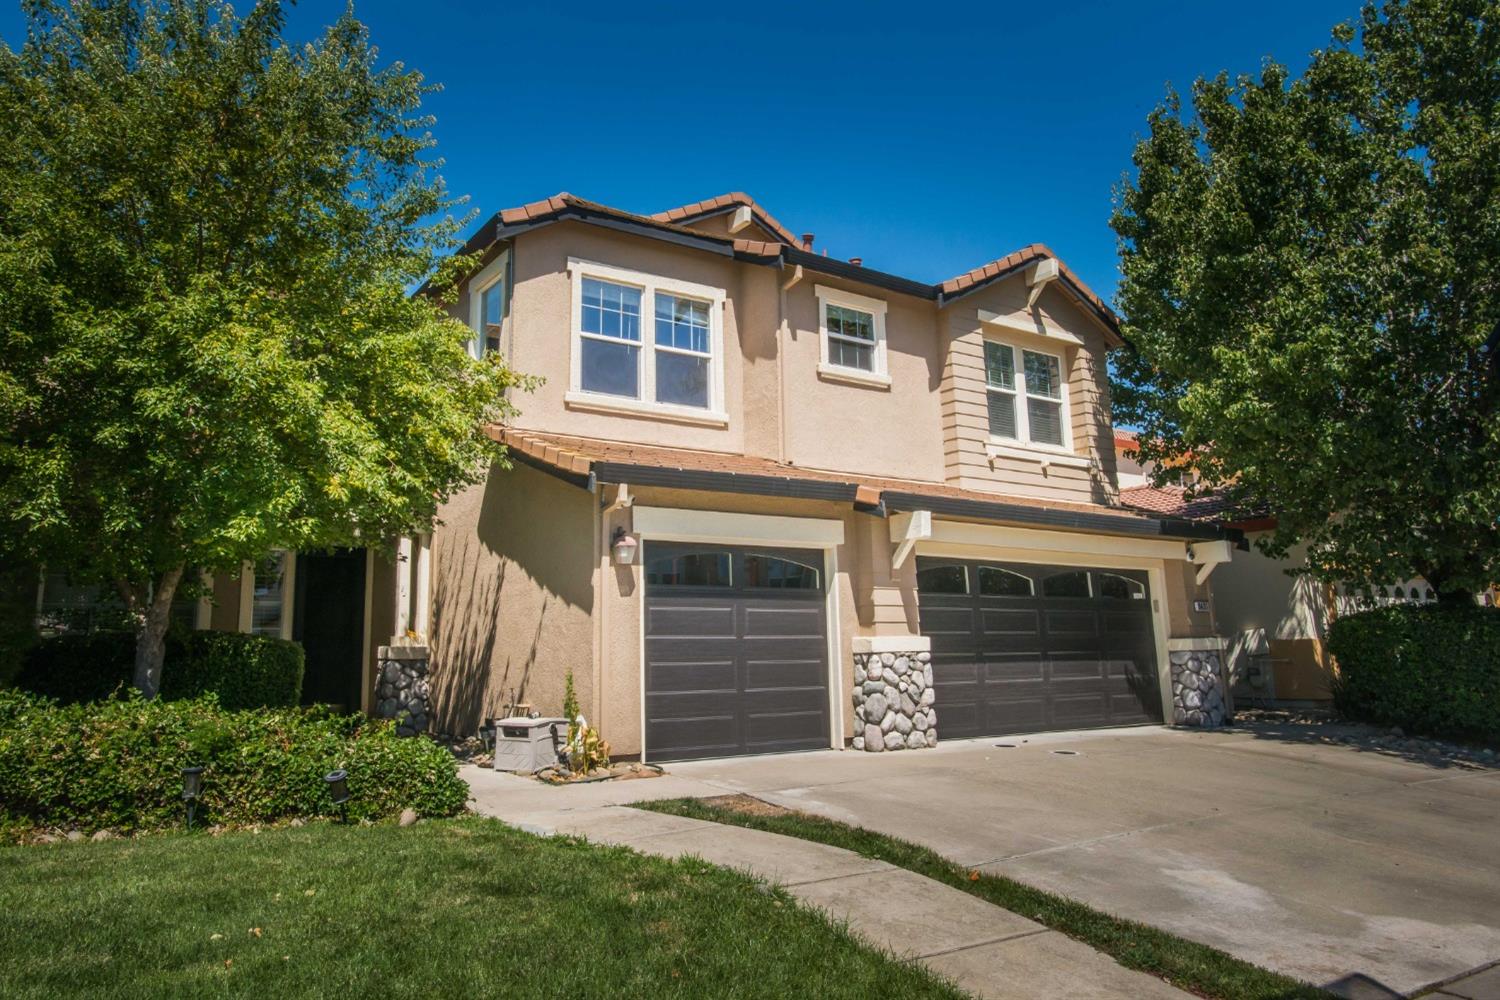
point(577, 455)
point(709, 205)
point(537, 212)
point(1173, 501)
point(1010, 263)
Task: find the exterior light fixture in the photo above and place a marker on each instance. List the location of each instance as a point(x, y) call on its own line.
point(624, 547)
point(338, 790)
point(192, 790)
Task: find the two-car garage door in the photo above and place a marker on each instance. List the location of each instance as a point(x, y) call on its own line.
point(736, 650)
point(1026, 648)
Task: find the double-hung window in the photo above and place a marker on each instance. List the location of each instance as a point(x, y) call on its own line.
point(611, 339)
point(1025, 401)
point(646, 343)
point(487, 307)
point(852, 329)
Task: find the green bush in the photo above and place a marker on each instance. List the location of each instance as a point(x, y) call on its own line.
point(118, 764)
point(1428, 669)
point(245, 671)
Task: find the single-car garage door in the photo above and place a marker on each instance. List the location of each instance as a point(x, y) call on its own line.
point(1022, 648)
point(736, 651)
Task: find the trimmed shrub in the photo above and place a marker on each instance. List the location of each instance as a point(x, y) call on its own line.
point(1428, 669)
point(245, 671)
point(79, 666)
point(118, 764)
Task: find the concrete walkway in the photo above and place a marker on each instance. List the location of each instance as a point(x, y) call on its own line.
point(986, 950)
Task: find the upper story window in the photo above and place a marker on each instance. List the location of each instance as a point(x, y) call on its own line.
point(1026, 402)
point(672, 365)
point(852, 330)
point(487, 307)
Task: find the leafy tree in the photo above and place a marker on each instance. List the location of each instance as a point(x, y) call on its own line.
point(207, 349)
point(1311, 276)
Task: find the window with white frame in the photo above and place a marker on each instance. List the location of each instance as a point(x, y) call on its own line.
point(671, 364)
point(269, 591)
point(1026, 402)
point(487, 307)
point(852, 329)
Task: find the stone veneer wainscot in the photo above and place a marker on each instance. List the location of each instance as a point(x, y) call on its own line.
point(1198, 688)
point(402, 691)
point(894, 700)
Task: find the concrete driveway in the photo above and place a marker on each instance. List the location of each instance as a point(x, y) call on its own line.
point(1367, 872)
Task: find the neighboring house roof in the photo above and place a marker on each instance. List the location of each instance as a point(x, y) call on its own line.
point(511, 222)
point(1173, 502)
point(713, 206)
point(648, 465)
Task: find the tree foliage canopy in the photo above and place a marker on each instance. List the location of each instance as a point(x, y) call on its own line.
point(207, 345)
point(1311, 276)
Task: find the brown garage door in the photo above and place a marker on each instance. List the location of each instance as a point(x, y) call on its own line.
point(736, 651)
point(1022, 648)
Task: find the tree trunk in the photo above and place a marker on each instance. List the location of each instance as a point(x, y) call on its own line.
point(151, 641)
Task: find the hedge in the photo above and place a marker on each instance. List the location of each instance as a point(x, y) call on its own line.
point(245, 671)
point(1429, 669)
point(117, 764)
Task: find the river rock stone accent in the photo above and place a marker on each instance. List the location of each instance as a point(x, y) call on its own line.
point(893, 702)
point(402, 691)
point(1198, 688)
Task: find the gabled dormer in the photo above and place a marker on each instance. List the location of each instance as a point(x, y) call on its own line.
point(1025, 388)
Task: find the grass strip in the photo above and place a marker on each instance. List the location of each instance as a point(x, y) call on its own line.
point(449, 908)
point(1185, 964)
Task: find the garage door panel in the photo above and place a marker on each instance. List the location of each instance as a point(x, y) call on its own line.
point(1014, 671)
point(959, 718)
point(1071, 623)
point(1073, 670)
point(737, 670)
point(1080, 710)
point(795, 623)
point(691, 618)
point(1023, 664)
point(785, 674)
point(1014, 621)
point(1014, 715)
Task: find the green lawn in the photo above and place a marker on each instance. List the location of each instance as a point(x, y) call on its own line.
point(1186, 964)
point(463, 907)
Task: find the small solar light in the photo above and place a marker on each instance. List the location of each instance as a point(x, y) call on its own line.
point(338, 789)
point(192, 790)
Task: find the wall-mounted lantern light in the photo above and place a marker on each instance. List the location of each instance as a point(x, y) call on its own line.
point(192, 790)
point(624, 547)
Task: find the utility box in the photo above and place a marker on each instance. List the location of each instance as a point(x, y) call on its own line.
point(528, 745)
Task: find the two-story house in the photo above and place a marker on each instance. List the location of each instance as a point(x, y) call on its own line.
point(768, 500)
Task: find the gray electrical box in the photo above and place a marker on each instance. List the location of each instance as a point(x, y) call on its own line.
point(527, 745)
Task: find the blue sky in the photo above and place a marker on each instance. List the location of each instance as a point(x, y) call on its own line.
point(925, 138)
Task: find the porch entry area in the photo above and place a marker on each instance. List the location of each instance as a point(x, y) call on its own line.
point(1022, 647)
point(329, 621)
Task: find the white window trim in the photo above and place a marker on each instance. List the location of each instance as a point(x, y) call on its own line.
point(645, 403)
point(879, 375)
point(1021, 446)
point(481, 282)
point(288, 592)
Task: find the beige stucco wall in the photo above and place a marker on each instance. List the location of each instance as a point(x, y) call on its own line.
point(512, 597)
point(1183, 622)
point(928, 424)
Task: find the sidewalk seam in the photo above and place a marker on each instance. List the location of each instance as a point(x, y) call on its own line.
point(982, 944)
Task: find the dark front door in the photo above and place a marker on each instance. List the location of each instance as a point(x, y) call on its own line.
point(329, 622)
point(1022, 648)
point(736, 651)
